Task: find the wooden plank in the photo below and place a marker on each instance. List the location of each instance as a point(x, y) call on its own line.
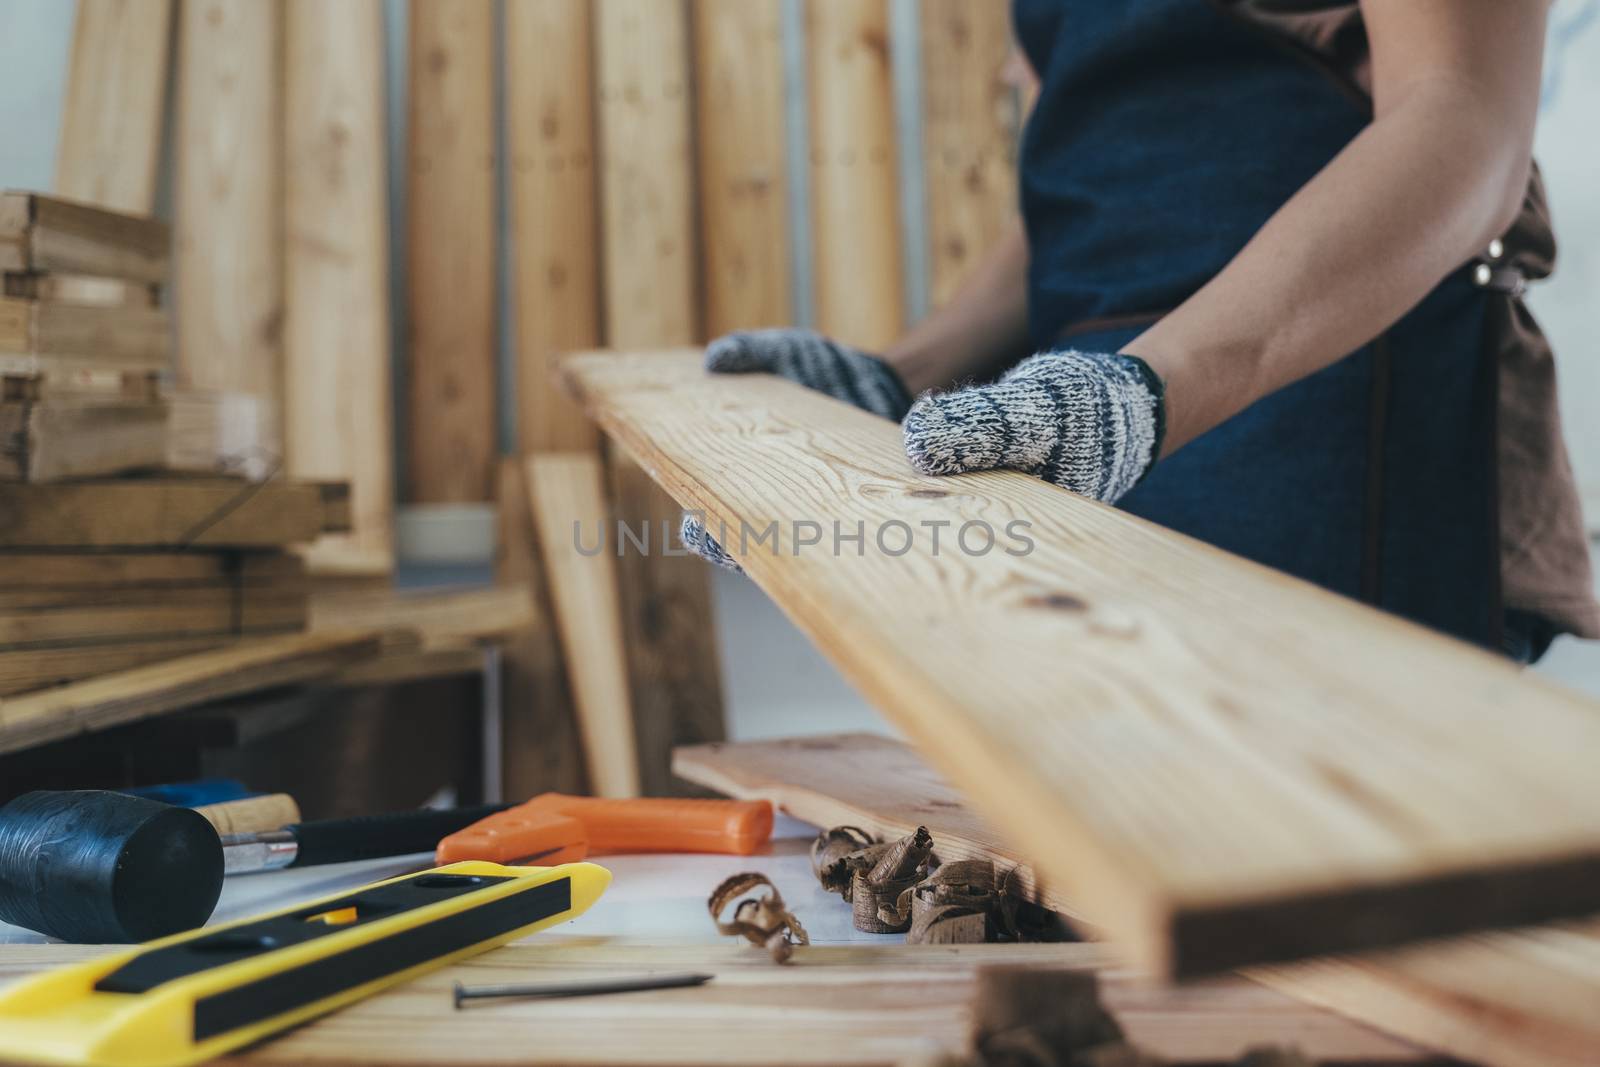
point(115, 101)
point(744, 187)
point(160, 513)
point(450, 233)
point(541, 750)
point(566, 492)
point(970, 124)
point(37, 621)
point(865, 780)
point(229, 200)
point(116, 338)
point(66, 571)
point(836, 1006)
point(646, 175)
point(81, 291)
point(24, 672)
point(52, 235)
point(336, 327)
point(1513, 999)
point(438, 617)
point(550, 126)
point(172, 685)
point(854, 175)
point(647, 193)
point(675, 676)
point(52, 441)
point(1336, 789)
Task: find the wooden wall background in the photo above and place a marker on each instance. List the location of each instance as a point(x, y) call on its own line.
point(394, 217)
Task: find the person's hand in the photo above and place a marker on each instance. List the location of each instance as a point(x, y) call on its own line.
point(1086, 421)
point(813, 361)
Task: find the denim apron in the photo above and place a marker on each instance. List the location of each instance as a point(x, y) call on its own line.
point(1166, 133)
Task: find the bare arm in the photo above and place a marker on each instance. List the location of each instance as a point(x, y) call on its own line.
point(1440, 172)
point(983, 329)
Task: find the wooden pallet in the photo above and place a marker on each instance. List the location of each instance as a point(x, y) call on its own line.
point(1220, 764)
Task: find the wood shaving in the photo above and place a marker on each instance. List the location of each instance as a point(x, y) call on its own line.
point(761, 919)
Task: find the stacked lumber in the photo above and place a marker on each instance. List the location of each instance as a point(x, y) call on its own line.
point(81, 339)
point(104, 576)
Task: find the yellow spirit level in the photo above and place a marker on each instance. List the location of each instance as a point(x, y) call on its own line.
point(188, 998)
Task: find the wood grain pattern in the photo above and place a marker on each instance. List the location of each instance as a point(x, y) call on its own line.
point(450, 236)
point(646, 178)
point(24, 672)
point(56, 620)
point(162, 513)
point(171, 685)
point(115, 102)
point(89, 571)
point(566, 492)
point(865, 780)
point(550, 127)
point(970, 123)
point(650, 275)
point(673, 664)
point(540, 746)
point(1345, 785)
point(854, 173)
point(47, 234)
point(229, 198)
point(1514, 999)
point(252, 814)
point(835, 1006)
point(439, 617)
point(744, 187)
point(336, 328)
point(126, 339)
point(50, 441)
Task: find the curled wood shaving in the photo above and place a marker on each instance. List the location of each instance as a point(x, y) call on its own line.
point(832, 854)
point(879, 874)
point(760, 919)
point(951, 906)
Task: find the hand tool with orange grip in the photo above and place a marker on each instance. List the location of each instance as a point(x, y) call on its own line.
point(555, 828)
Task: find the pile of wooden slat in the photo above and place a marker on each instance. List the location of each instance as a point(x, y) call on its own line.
point(82, 338)
point(102, 576)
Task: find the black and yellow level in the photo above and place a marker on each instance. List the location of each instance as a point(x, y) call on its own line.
point(187, 998)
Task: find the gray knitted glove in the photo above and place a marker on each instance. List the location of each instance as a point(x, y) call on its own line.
point(1086, 421)
point(813, 361)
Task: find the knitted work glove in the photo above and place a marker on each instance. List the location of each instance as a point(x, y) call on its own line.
point(813, 361)
point(1085, 421)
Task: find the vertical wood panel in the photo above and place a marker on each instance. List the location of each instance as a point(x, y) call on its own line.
point(969, 135)
point(651, 297)
point(744, 189)
point(450, 232)
point(854, 175)
point(540, 747)
point(115, 104)
point(567, 493)
point(642, 50)
point(550, 125)
point(336, 337)
point(230, 202)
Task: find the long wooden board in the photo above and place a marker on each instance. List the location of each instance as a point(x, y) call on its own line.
point(1220, 764)
point(115, 101)
point(229, 202)
point(566, 497)
point(450, 233)
point(171, 685)
point(163, 513)
point(439, 617)
point(865, 780)
point(834, 1006)
point(1510, 999)
point(337, 402)
point(24, 672)
point(40, 621)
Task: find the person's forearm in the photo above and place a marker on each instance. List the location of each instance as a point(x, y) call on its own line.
point(1437, 175)
point(981, 330)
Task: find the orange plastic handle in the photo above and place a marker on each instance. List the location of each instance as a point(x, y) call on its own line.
point(555, 828)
